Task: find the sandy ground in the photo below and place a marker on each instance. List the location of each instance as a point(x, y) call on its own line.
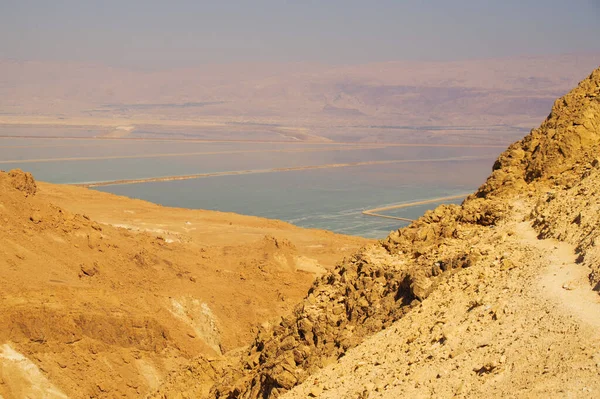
point(524, 324)
point(497, 297)
point(210, 228)
point(101, 296)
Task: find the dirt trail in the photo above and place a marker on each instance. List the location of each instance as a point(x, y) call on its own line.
point(522, 322)
point(565, 281)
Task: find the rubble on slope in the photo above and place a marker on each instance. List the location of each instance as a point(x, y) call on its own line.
point(376, 287)
point(126, 305)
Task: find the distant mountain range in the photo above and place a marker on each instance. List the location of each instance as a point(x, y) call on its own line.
point(480, 100)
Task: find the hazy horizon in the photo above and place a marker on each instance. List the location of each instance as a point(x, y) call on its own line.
point(152, 34)
point(310, 71)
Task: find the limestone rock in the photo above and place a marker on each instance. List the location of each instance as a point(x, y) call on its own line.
point(23, 181)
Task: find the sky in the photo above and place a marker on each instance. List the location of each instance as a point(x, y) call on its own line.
point(183, 33)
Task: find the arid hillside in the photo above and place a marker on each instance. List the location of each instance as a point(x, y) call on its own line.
point(102, 296)
point(494, 298)
point(521, 318)
point(105, 296)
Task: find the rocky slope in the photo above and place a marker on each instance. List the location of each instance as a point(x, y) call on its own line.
point(521, 322)
point(469, 291)
point(107, 303)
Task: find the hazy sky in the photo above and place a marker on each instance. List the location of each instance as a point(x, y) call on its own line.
point(150, 33)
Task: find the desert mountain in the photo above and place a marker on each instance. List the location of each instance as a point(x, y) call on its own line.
point(472, 101)
point(496, 297)
point(103, 296)
point(107, 302)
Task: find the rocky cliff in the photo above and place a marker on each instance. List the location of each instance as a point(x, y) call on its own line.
point(509, 302)
point(549, 181)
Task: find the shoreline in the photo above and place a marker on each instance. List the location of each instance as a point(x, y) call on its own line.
point(270, 170)
point(373, 211)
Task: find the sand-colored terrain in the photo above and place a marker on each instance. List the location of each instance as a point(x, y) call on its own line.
point(489, 101)
point(483, 334)
point(522, 317)
point(497, 297)
point(101, 296)
point(205, 228)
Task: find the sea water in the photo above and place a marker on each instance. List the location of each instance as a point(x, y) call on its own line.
point(329, 198)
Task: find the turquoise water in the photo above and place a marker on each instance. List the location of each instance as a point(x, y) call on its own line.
point(63, 161)
point(331, 198)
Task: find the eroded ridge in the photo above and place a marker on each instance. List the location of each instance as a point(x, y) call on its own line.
point(447, 251)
